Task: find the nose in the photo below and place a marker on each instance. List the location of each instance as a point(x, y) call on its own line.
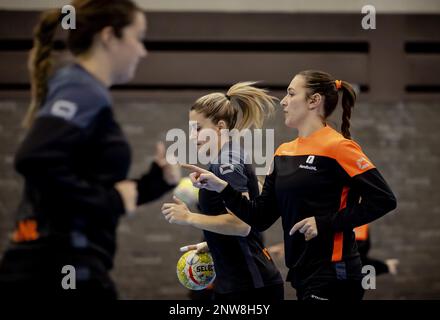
point(283, 102)
point(144, 52)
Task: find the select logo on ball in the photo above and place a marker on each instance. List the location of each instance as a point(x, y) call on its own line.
point(195, 270)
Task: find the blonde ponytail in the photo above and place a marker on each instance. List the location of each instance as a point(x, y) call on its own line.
point(243, 106)
point(254, 104)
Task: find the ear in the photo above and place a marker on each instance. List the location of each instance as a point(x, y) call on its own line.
point(106, 35)
point(222, 125)
point(315, 101)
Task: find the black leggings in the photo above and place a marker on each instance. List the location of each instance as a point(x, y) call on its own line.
point(267, 294)
point(331, 290)
point(35, 274)
point(41, 288)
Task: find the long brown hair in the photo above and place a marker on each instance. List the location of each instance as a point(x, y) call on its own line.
point(325, 84)
point(91, 17)
point(243, 106)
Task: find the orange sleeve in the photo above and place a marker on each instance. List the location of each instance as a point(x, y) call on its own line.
point(351, 158)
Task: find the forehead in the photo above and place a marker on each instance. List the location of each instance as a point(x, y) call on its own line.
point(196, 116)
point(139, 21)
point(297, 83)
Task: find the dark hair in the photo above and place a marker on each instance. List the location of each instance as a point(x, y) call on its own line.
point(325, 84)
point(242, 107)
point(91, 17)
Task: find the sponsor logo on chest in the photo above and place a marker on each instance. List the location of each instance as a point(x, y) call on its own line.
point(309, 161)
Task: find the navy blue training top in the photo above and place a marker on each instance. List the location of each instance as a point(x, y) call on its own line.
point(70, 159)
point(241, 263)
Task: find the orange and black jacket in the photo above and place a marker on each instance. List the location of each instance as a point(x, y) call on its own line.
point(327, 177)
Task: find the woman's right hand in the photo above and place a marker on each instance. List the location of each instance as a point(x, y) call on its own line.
point(199, 247)
point(204, 179)
point(129, 194)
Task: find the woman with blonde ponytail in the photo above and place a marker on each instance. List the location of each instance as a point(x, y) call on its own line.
point(322, 186)
point(244, 269)
point(75, 158)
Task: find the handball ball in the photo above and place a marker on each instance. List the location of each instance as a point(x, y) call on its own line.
point(186, 192)
point(195, 270)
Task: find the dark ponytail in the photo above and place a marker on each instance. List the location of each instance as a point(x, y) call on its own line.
point(327, 86)
point(40, 61)
point(91, 17)
point(348, 100)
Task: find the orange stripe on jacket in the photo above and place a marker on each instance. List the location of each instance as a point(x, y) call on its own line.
point(338, 239)
point(267, 254)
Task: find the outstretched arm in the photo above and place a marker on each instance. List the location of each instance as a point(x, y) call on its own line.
point(260, 213)
point(227, 223)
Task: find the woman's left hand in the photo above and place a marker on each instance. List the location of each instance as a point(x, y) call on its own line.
point(171, 172)
point(306, 227)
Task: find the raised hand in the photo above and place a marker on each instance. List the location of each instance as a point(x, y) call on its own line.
point(204, 179)
point(171, 172)
point(177, 212)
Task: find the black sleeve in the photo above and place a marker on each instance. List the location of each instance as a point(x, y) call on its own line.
point(377, 199)
point(45, 160)
point(152, 185)
point(233, 174)
point(260, 213)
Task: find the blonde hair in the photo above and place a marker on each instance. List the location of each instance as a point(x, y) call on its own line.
point(242, 107)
